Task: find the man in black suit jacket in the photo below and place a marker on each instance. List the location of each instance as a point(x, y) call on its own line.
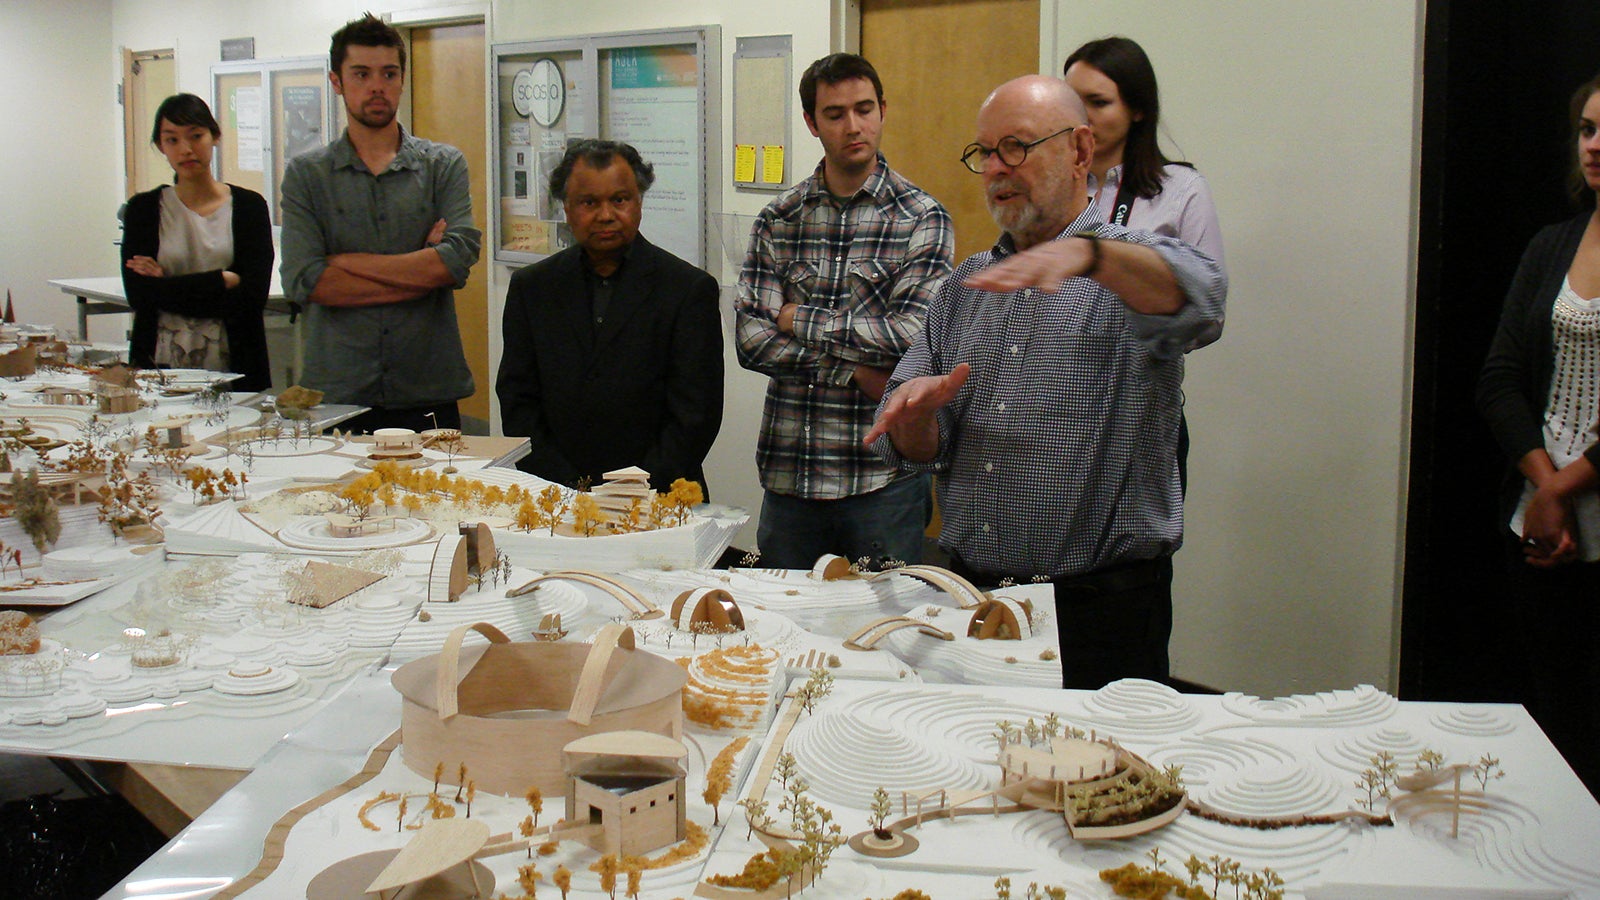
point(613, 347)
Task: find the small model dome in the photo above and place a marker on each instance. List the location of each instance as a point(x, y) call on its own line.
point(707, 610)
point(1001, 618)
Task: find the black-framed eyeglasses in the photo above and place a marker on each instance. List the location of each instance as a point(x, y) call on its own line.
point(1011, 149)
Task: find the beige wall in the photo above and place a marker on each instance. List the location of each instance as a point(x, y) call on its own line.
point(730, 468)
point(1289, 581)
point(60, 169)
point(1289, 577)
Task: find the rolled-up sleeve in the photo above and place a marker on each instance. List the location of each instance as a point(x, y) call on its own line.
point(305, 246)
point(1205, 288)
point(463, 241)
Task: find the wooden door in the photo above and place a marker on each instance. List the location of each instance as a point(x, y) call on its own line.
point(447, 104)
point(938, 59)
point(148, 77)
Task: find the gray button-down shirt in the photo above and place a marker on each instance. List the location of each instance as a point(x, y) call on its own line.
point(396, 355)
point(1059, 454)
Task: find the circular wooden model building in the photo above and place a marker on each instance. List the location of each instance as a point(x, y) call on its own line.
point(505, 710)
point(708, 611)
point(1102, 790)
point(395, 444)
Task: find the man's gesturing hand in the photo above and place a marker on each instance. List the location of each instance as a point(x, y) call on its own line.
point(909, 416)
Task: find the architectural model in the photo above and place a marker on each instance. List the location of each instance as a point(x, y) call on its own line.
point(504, 710)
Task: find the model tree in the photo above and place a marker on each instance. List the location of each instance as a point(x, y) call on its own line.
point(36, 511)
point(528, 515)
point(563, 880)
point(755, 815)
point(1429, 759)
point(553, 503)
point(82, 456)
point(880, 814)
point(126, 500)
point(587, 517)
point(817, 687)
point(607, 867)
point(535, 798)
point(451, 443)
point(634, 519)
point(412, 504)
point(635, 878)
point(786, 768)
point(1485, 769)
point(528, 879)
point(719, 777)
point(684, 495)
point(10, 556)
point(525, 828)
point(358, 496)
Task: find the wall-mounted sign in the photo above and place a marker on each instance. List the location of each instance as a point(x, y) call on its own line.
point(238, 48)
point(540, 92)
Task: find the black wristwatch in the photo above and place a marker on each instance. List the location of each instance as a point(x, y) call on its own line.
point(1094, 253)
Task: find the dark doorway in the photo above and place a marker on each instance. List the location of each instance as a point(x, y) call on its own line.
point(1495, 154)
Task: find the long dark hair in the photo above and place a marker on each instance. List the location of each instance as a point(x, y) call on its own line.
point(1125, 63)
point(184, 109)
point(1582, 194)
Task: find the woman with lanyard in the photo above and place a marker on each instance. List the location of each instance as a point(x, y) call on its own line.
point(1132, 181)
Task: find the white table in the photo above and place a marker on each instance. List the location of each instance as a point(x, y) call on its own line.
point(99, 296)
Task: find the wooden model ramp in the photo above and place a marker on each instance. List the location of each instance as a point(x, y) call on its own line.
point(636, 605)
point(867, 637)
point(965, 593)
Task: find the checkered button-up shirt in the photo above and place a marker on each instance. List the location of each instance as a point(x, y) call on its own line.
point(862, 270)
point(1059, 454)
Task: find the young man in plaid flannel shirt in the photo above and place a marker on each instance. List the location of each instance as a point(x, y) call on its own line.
point(834, 288)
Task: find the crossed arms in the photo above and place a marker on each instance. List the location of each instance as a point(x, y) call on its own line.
point(441, 258)
point(372, 279)
point(851, 344)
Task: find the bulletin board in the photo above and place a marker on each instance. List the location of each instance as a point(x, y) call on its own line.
point(651, 89)
point(763, 69)
point(270, 112)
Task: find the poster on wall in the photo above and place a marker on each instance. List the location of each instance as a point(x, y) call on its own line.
point(648, 88)
point(302, 119)
point(540, 104)
point(247, 125)
point(652, 97)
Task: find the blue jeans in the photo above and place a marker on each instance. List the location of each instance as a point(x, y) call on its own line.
point(887, 523)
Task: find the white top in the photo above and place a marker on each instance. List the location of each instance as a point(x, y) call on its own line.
point(192, 243)
point(1572, 410)
point(1182, 210)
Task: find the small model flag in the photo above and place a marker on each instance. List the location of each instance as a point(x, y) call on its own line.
point(11, 314)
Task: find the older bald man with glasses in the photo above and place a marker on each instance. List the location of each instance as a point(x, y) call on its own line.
point(1045, 391)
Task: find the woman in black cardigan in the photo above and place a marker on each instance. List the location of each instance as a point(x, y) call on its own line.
point(1540, 392)
point(197, 258)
